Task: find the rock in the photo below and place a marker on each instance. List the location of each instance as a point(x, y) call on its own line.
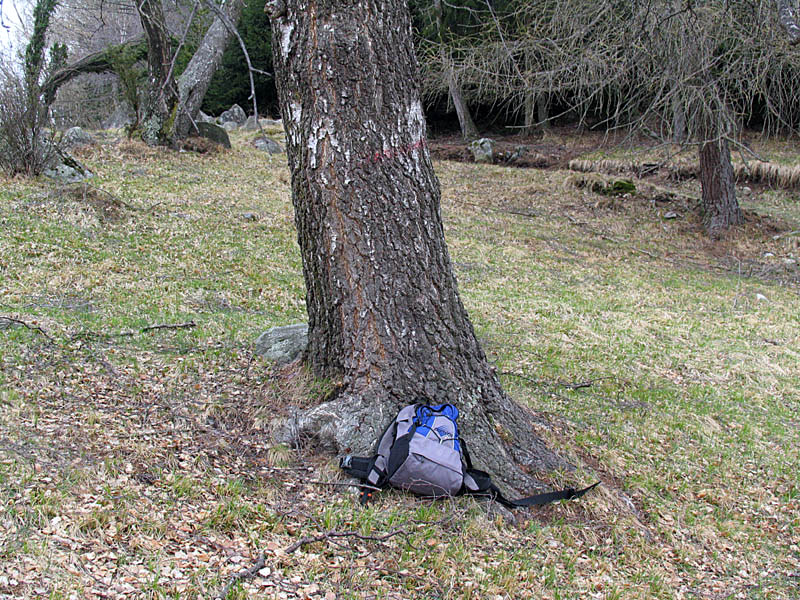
point(267, 144)
point(66, 174)
point(761, 297)
point(121, 117)
point(251, 124)
point(283, 344)
point(769, 255)
point(671, 215)
point(235, 114)
point(746, 191)
point(482, 150)
point(272, 123)
point(75, 136)
point(249, 216)
point(204, 118)
point(229, 126)
point(215, 133)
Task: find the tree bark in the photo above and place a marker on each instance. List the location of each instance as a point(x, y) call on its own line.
point(386, 324)
point(195, 79)
point(720, 207)
point(162, 95)
point(788, 21)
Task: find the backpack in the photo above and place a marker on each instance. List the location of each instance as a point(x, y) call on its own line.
point(421, 452)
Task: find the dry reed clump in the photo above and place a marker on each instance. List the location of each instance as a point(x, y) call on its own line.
point(132, 148)
point(201, 145)
point(107, 207)
point(782, 176)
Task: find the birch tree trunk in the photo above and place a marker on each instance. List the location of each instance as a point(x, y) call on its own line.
point(195, 79)
point(386, 324)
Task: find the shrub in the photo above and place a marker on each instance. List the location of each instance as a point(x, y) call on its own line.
point(26, 146)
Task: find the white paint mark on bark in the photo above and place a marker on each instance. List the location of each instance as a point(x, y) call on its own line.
point(286, 38)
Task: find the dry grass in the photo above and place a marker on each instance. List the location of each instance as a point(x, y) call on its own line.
point(138, 465)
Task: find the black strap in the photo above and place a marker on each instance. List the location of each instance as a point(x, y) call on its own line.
point(489, 489)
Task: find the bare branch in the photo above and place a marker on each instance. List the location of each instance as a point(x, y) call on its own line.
point(34, 327)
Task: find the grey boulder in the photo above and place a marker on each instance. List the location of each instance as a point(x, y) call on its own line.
point(235, 114)
point(267, 145)
point(482, 150)
point(283, 344)
point(215, 133)
point(75, 136)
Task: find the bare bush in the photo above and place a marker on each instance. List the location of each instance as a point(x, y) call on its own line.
point(26, 145)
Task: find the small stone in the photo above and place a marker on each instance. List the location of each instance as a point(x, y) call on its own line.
point(746, 191)
point(267, 145)
point(482, 150)
point(761, 297)
point(251, 124)
point(249, 216)
point(283, 344)
point(671, 215)
point(769, 255)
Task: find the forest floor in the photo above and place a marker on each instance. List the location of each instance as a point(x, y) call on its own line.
point(135, 456)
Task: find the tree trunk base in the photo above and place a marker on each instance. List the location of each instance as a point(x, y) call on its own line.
point(720, 208)
point(501, 439)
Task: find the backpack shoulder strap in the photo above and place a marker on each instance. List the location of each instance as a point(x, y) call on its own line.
point(479, 483)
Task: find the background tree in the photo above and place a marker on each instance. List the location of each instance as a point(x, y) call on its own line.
point(688, 71)
point(386, 324)
point(175, 89)
point(230, 84)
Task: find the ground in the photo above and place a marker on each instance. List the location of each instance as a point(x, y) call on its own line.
point(135, 457)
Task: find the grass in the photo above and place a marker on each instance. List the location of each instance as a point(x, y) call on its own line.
point(139, 464)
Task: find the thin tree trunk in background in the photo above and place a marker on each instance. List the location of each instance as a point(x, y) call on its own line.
point(386, 324)
point(468, 129)
point(162, 95)
point(720, 207)
point(679, 130)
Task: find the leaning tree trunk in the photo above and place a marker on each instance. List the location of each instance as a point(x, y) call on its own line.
point(468, 129)
point(386, 324)
point(195, 79)
point(162, 96)
point(465, 122)
point(720, 207)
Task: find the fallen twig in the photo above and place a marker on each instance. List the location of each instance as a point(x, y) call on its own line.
point(345, 484)
point(187, 325)
point(545, 383)
point(343, 534)
point(246, 574)
point(28, 326)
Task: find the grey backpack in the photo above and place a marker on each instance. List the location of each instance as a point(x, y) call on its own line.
point(421, 452)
